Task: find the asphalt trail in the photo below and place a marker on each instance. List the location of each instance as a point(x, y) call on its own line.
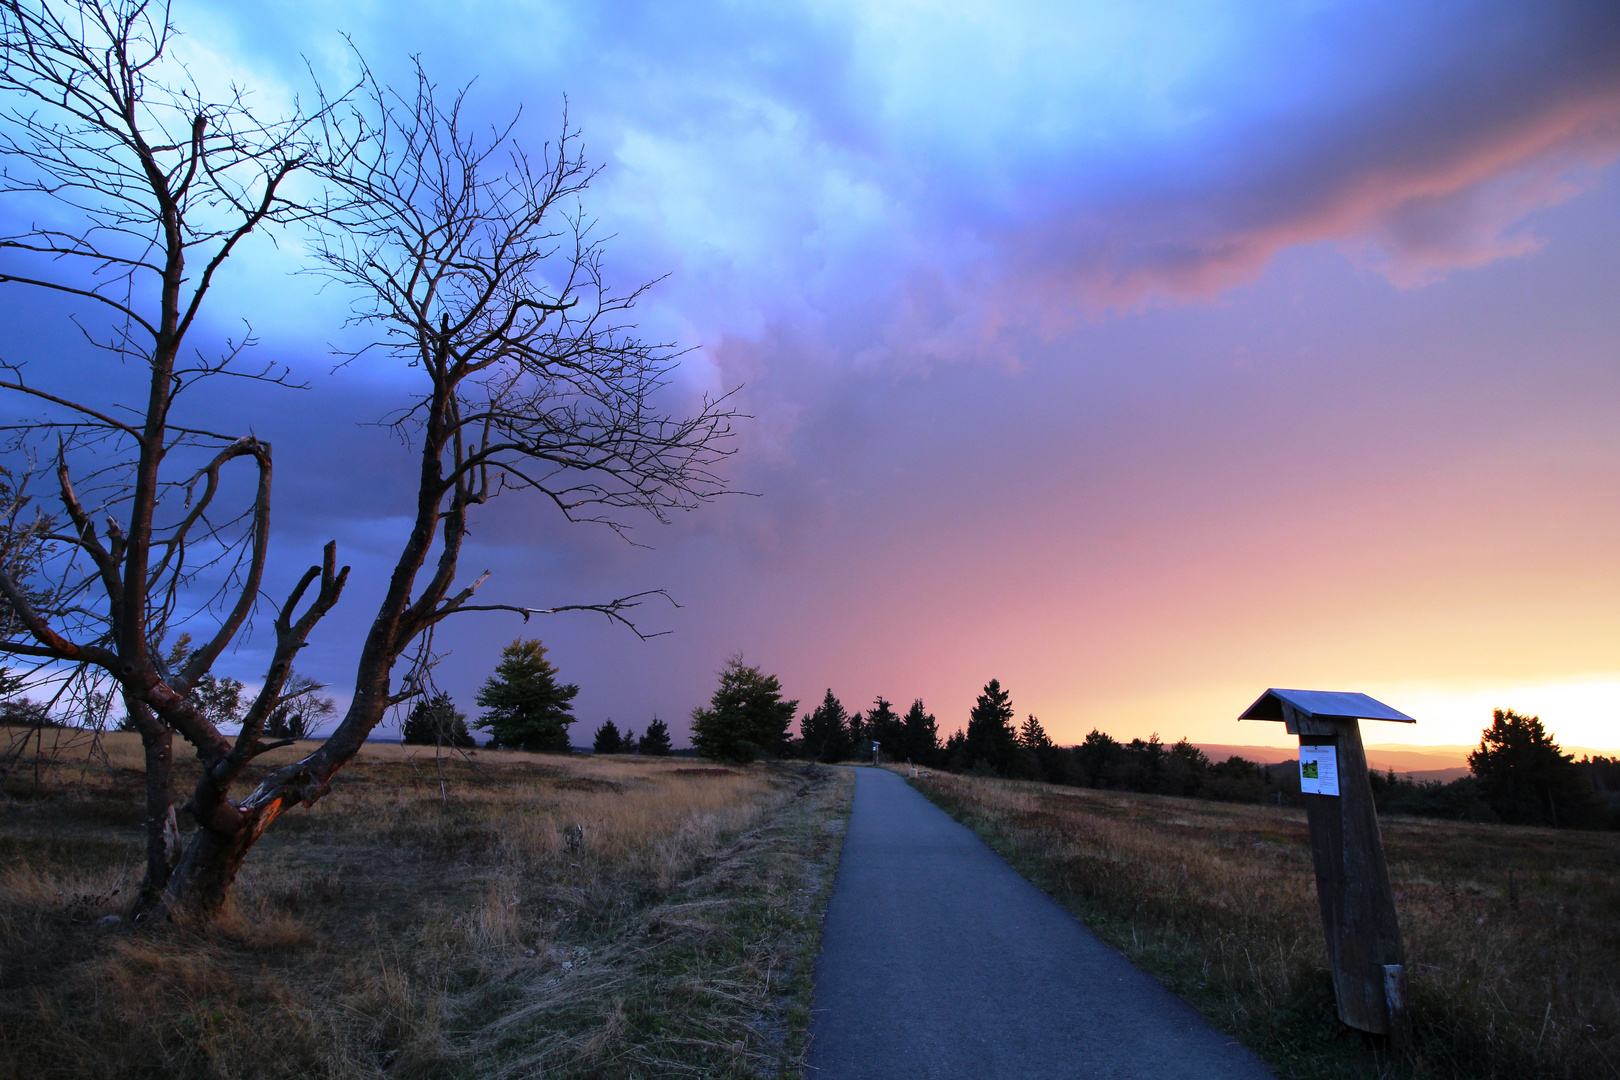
point(940, 961)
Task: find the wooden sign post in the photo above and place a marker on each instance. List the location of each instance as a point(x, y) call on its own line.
point(1352, 878)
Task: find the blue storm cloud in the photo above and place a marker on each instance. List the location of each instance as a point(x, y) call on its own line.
point(914, 177)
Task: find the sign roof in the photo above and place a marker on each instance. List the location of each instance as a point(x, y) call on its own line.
point(1323, 703)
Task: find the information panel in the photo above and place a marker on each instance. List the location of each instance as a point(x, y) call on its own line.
point(1319, 770)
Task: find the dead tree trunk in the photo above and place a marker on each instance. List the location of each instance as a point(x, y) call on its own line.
point(201, 883)
point(162, 828)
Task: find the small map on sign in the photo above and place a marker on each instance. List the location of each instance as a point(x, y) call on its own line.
point(1318, 770)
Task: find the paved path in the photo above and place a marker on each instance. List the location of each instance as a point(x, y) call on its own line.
point(940, 961)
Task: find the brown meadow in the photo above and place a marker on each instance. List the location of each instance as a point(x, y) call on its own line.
point(440, 914)
point(1512, 933)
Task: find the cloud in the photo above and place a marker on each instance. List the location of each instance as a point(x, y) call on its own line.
point(904, 184)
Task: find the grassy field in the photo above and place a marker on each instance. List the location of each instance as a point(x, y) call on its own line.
point(497, 915)
point(1513, 934)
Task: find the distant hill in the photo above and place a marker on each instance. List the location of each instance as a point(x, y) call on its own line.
point(1443, 763)
point(1265, 755)
point(1422, 763)
point(1442, 776)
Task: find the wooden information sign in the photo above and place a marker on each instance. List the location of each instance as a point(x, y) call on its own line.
point(1352, 878)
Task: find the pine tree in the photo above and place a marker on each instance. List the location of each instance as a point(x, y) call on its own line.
point(1526, 777)
point(1185, 767)
point(921, 738)
point(524, 708)
point(607, 739)
point(826, 731)
point(1032, 736)
point(1034, 758)
point(435, 721)
point(746, 717)
point(1096, 759)
point(655, 743)
point(991, 742)
point(627, 742)
point(884, 727)
point(860, 739)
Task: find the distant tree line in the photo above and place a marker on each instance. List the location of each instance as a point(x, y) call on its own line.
point(525, 708)
point(993, 745)
point(1518, 774)
point(654, 742)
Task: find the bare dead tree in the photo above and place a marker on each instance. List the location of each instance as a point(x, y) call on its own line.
point(475, 265)
point(471, 261)
point(159, 184)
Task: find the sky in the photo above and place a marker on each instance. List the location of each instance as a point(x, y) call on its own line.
point(1140, 356)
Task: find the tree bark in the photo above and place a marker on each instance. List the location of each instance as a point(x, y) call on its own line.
point(162, 829)
point(201, 883)
point(226, 831)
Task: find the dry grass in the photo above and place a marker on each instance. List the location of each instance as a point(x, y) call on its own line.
point(1513, 934)
point(503, 915)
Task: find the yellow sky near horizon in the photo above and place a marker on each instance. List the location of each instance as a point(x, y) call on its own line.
point(1581, 713)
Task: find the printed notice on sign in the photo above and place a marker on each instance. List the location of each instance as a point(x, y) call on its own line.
point(1318, 770)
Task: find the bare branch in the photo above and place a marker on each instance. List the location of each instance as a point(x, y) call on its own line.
point(51, 643)
point(614, 610)
point(100, 417)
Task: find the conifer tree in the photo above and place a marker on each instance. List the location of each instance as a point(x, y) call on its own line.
point(991, 741)
point(826, 731)
point(1032, 736)
point(524, 708)
point(608, 740)
point(1096, 759)
point(1184, 769)
point(884, 727)
point(655, 742)
point(1039, 759)
point(1526, 777)
point(921, 735)
point(746, 717)
point(435, 721)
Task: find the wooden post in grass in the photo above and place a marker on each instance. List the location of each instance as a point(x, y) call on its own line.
point(1352, 878)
